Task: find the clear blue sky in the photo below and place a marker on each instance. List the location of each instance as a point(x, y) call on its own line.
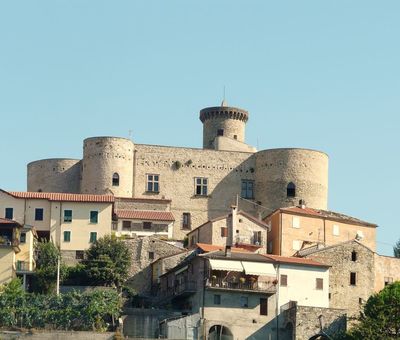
point(314, 74)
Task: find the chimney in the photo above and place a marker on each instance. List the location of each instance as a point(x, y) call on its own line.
point(302, 204)
point(228, 251)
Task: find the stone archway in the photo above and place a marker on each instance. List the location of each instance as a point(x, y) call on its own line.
point(219, 332)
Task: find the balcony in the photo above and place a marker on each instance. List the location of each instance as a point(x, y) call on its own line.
point(247, 284)
point(180, 290)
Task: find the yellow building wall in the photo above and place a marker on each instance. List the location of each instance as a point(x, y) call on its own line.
point(6, 264)
point(26, 250)
point(18, 205)
point(386, 267)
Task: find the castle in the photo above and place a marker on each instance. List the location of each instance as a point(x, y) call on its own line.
point(200, 184)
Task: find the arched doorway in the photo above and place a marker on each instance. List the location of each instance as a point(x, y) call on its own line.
point(219, 332)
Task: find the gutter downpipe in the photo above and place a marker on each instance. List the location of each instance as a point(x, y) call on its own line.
point(203, 302)
point(277, 302)
point(280, 234)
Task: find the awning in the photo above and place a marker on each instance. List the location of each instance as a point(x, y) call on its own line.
point(259, 268)
point(228, 265)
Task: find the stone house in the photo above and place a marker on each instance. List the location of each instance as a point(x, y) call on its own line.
point(236, 294)
point(246, 231)
point(355, 274)
point(298, 227)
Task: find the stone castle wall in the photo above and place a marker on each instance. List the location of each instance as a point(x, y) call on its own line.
point(307, 169)
point(102, 157)
point(223, 170)
point(54, 175)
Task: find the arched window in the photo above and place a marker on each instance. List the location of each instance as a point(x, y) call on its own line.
point(115, 180)
point(291, 190)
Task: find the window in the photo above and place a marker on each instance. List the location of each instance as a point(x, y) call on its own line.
point(67, 215)
point(336, 231)
point(234, 136)
point(94, 216)
point(115, 180)
point(39, 214)
point(152, 183)
point(79, 255)
point(283, 280)
point(151, 255)
point(244, 301)
point(220, 132)
point(296, 245)
point(126, 225)
point(291, 190)
point(93, 237)
point(354, 256)
point(217, 299)
point(22, 238)
point(147, 225)
point(319, 284)
point(224, 232)
point(270, 247)
point(186, 220)
point(247, 189)
point(296, 222)
point(353, 279)
point(201, 186)
point(263, 306)
point(388, 281)
point(9, 213)
point(67, 236)
point(257, 238)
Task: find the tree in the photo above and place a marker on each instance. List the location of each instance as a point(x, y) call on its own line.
point(381, 316)
point(46, 268)
point(396, 249)
point(108, 261)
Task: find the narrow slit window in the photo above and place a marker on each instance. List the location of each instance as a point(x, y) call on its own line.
point(291, 190)
point(115, 180)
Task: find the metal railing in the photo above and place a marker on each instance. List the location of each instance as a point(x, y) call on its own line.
point(250, 285)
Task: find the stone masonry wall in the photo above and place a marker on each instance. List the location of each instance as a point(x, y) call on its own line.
point(140, 273)
point(224, 171)
point(343, 294)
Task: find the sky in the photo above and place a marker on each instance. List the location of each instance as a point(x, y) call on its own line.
point(316, 74)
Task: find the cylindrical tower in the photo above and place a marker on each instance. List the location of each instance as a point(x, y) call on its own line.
point(284, 176)
point(107, 166)
point(54, 175)
point(223, 121)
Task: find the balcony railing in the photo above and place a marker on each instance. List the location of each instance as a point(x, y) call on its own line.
point(247, 285)
point(180, 289)
point(22, 266)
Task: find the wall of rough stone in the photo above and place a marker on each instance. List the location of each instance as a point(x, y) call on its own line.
point(386, 267)
point(343, 294)
point(102, 157)
point(54, 175)
point(141, 204)
point(140, 274)
point(56, 335)
point(307, 169)
point(306, 321)
point(224, 171)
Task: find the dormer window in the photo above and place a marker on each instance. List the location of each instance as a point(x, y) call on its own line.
point(291, 190)
point(115, 180)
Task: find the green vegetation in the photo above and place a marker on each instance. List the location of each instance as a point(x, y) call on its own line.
point(107, 262)
point(381, 316)
point(95, 310)
point(396, 249)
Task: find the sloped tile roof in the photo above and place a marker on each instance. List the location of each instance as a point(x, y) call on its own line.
point(295, 260)
point(212, 247)
point(56, 196)
point(150, 215)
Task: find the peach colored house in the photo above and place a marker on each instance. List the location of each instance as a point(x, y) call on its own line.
point(295, 228)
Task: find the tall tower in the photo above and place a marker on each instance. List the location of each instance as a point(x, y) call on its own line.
point(223, 123)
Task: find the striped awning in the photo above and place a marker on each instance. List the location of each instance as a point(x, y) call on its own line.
point(228, 265)
point(258, 268)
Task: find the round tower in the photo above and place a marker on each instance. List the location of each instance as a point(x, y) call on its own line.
point(223, 121)
point(286, 176)
point(107, 166)
point(54, 175)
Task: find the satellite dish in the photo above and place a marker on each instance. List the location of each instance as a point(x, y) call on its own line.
point(359, 235)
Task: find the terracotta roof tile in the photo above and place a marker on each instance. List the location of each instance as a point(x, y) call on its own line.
point(9, 222)
point(150, 215)
point(56, 196)
point(295, 260)
point(212, 247)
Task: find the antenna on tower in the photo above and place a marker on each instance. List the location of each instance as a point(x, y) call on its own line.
point(224, 103)
point(130, 134)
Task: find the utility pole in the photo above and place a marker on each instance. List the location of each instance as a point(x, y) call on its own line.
point(58, 275)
